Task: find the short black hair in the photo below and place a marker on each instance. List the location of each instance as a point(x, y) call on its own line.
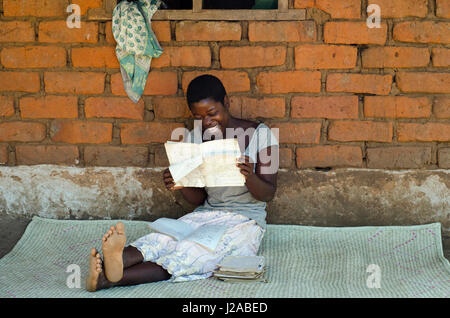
point(203, 87)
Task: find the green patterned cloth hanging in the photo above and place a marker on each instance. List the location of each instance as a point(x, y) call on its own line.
point(136, 43)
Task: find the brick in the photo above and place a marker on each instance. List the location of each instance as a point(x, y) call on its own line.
point(158, 83)
point(423, 132)
point(109, 37)
point(85, 5)
point(113, 107)
point(147, 132)
point(235, 106)
point(286, 157)
point(395, 57)
point(16, 31)
point(442, 107)
point(74, 82)
point(112, 156)
point(333, 107)
point(252, 56)
point(441, 57)
point(22, 131)
point(348, 9)
point(58, 32)
point(46, 154)
point(208, 31)
point(95, 57)
point(443, 8)
point(398, 157)
point(298, 133)
point(359, 83)
point(33, 57)
point(325, 56)
point(285, 31)
point(49, 107)
point(6, 106)
point(35, 8)
point(267, 107)
point(401, 8)
point(444, 158)
point(360, 131)
point(354, 33)
point(397, 107)
point(3, 154)
point(289, 81)
point(80, 132)
point(171, 107)
point(423, 82)
point(20, 82)
point(233, 81)
point(329, 156)
point(198, 56)
point(160, 28)
point(422, 32)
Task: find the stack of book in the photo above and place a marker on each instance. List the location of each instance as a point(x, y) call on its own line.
point(241, 269)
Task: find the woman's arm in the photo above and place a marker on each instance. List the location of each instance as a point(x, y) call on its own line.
point(195, 196)
point(263, 183)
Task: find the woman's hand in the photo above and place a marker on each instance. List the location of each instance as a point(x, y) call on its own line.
point(245, 166)
point(168, 181)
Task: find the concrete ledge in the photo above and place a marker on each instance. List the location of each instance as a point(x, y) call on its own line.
point(360, 197)
point(341, 197)
point(63, 192)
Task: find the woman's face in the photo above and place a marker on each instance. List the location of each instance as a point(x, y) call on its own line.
point(214, 115)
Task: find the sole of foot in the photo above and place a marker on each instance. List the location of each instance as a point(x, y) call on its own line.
point(113, 243)
point(95, 269)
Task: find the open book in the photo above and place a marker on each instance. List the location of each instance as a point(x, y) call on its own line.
point(206, 235)
point(210, 164)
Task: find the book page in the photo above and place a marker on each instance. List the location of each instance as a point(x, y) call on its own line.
point(184, 159)
point(207, 235)
point(193, 179)
point(242, 263)
point(181, 169)
point(181, 151)
point(171, 227)
point(219, 163)
point(211, 163)
point(222, 172)
point(244, 275)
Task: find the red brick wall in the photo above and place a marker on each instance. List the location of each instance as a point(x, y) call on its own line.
point(342, 95)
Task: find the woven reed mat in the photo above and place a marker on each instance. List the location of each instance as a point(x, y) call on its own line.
point(302, 261)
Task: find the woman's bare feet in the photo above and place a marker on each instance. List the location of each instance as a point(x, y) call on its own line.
point(112, 246)
point(95, 269)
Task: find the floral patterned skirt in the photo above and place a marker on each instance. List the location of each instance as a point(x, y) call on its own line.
point(186, 260)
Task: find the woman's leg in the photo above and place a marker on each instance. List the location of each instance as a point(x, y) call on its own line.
point(131, 256)
point(135, 271)
point(146, 272)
